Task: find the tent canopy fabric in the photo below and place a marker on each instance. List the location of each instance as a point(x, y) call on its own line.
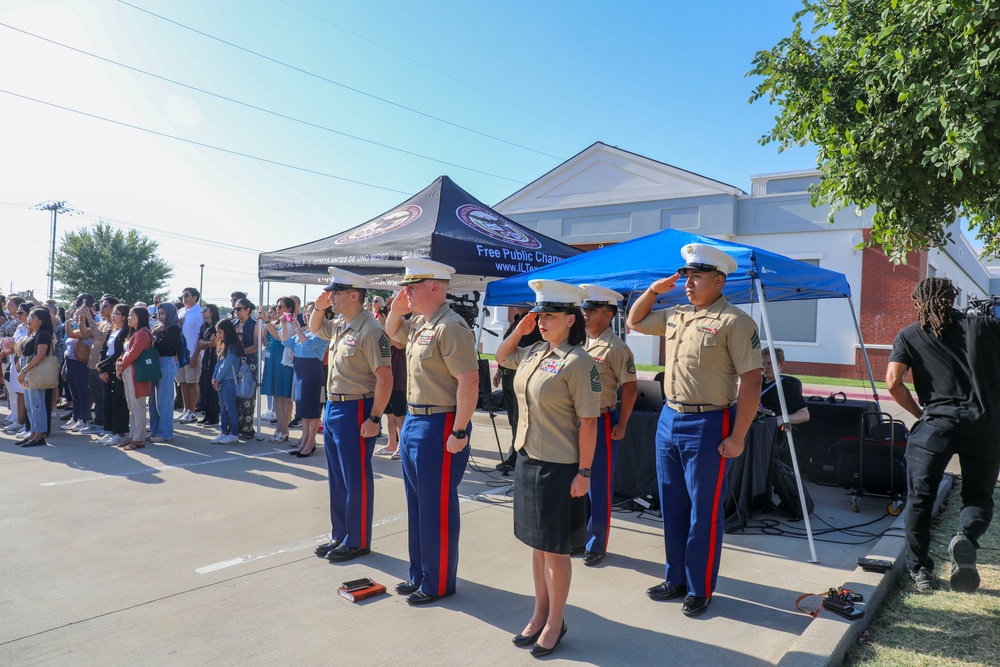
point(443, 222)
point(630, 267)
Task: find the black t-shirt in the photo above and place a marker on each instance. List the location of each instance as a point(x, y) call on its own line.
point(32, 341)
point(957, 378)
point(793, 395)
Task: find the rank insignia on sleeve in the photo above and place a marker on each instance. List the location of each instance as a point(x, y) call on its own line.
point(383, 347)
point(630, 366)
point(595, 380)
point(755, 341)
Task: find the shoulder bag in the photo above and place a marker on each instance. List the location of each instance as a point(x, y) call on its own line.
point(45, 375)
point(147, 366)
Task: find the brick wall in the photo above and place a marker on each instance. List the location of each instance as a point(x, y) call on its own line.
point(886, 306)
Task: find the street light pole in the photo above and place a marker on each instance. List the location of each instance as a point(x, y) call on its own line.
point(201, 282)
point(56, 207)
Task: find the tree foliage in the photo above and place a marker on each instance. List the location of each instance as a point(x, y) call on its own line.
point(102, 260)
point(901, 98)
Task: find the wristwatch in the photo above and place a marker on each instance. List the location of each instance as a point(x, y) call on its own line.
point(460, 434)
point(375, 419)
point(583, 472)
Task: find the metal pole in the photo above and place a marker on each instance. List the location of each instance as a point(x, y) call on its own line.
point(52, 253)
point(201, 282)
point(864, 355)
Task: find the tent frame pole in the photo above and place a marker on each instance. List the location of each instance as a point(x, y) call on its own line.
point(260, 365)
point(485, 388)
point(784, 416)
point(864, 355)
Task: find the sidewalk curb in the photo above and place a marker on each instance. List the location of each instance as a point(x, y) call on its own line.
point(828, 638)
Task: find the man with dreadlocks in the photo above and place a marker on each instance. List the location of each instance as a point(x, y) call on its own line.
point(956, 371)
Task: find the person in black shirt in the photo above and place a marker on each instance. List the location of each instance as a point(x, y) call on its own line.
point(956, 372)
point(798, 413)
point(505, 378)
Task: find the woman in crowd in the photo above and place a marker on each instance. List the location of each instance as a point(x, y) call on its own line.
point(78, 350)
point(378, 309)
point(561, 401)
point(309, 351)
point(116, 418)
point(35, 347)
point(209, 357)
point(230, 351)
point(20, 427)
point(15, 421)
point(277, 380)
point(137, 340)
point(246, 327)
point(167, 341)
point(62, 397)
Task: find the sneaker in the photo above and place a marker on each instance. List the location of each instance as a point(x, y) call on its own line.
point(269, 415)
point(295, 423)
point(91, 428)
point(14, 428)
point(229, 440)
point(217, 440)
point(191, 417)
point(104, 436)
point(80, 425)
point(181, 417)
point(68, 426)
point(22, 434)
point(964, 576)
point(924, 579)
point(114, 441)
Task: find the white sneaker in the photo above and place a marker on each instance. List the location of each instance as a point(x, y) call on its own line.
point(230, 440)
point(68, 425)
point(91, 428)
point(23, 433)
point(269, 415)
point(102, 437)
point(13, 427)
point(182, 416)
point(113, 441)
point(217, 440)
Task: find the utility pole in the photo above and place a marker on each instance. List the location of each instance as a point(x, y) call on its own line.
point(201, 283)
point(56, 207)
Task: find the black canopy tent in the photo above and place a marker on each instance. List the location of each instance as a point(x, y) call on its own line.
point(443, 222)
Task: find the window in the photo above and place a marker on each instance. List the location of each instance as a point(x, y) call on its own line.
point(793, 320)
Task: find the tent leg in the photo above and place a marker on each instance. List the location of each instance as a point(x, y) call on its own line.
point(485, 386)
point(260, 366)
point(784, 416)
point(864, 355)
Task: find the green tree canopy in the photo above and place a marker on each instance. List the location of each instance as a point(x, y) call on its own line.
point(101, 259)
point(901, 98)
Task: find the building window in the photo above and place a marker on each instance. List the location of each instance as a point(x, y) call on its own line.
point(931, 271)
point(793, 321)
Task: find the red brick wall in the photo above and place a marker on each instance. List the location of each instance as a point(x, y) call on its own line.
point(886, 306)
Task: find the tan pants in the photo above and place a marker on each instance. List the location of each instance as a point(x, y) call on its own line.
point(136, 408)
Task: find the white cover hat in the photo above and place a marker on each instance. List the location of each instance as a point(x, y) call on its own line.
point(600, 296)
point(341, 279)
point(702, 257)
point(552, 296)
point(419, 269)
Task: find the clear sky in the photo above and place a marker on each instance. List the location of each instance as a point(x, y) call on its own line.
point(383, 93)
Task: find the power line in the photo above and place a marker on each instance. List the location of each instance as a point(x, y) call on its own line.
point(335, 83)
point(124, 224)
point(204, 145)
point(443, 73)
point(255, 107)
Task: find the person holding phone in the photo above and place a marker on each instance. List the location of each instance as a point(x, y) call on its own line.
point(277, 380)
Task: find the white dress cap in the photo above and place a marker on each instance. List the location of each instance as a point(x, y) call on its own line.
point(341, 279)
point(552, 296)
point(419, 269)
point(600, 296)
point(702, 257)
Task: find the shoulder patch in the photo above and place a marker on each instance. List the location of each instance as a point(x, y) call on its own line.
point(383, 347)
point(755, 340)
point(595, 380)
point(630, 366)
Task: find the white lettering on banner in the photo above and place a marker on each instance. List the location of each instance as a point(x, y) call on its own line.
point(486, 251)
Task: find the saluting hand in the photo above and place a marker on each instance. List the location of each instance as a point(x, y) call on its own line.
point(399, 305)
point(527, 324)
point(323, 300)
point(664, 285)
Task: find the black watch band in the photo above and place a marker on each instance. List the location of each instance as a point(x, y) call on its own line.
point(461, 433)
point(375, 419)
point(583, 472)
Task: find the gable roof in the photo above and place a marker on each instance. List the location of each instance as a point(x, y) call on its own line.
point(601, 175)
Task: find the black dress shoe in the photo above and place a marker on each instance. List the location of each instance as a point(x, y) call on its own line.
point(407, 587)
point(419, 597)
point(666, 591)
point(23, 441)
point(35, 443)
point(576, 551)
point(539, 651)
point(305, 455)
point(344, 553)
point(695, 606)
point(592, 558)
point(527, 640)
point(323, 549)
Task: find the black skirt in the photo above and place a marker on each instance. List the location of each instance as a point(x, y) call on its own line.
point(542, 504)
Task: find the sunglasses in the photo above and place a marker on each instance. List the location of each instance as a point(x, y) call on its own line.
point(241, 308)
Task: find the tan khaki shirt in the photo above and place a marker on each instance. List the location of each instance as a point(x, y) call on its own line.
point(706, 351)
point(356, 351)
point(438, 350)
point(555, 389)
point(100, 332)
point(614, 362)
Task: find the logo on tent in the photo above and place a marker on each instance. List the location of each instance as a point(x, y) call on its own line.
point(385, 224)
point(492, 225)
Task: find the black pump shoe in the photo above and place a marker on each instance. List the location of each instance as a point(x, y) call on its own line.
point(526, 640)
point(540, 651)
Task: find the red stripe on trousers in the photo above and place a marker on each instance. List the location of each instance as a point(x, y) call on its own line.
point(607, 443)
point(449, 424)
point(364, 477)
point(715, 509)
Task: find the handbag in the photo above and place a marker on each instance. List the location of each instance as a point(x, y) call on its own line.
point(147, 366)
point(45, 375)
point(246, 383)
point(288, 357)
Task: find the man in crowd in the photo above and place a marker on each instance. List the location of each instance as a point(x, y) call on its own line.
point(798, 413)
point(442, 388)
point(357, 389)
point(710, 344)
point(956, 371)
point(188, 377)
point(616, 365)
point(98, 330)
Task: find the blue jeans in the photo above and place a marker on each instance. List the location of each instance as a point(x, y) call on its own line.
point(38, 412)
point(229, 418)
point(78, 378)
point(161, 400)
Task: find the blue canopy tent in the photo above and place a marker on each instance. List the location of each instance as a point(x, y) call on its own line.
point(630, 267)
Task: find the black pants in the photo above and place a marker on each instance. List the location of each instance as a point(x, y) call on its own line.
point(97, 396)
point(208, 397)
point(927, 455)
point(115, 406)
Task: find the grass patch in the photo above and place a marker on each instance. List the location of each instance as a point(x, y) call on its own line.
point(940, 628)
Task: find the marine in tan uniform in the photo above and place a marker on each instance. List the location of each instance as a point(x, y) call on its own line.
point(558, 389)
point(710, 344)
point(358, 385)
point(442, 387)
point(616, 365)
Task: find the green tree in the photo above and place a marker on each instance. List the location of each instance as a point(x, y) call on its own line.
point(901, 99)
point(101, 259)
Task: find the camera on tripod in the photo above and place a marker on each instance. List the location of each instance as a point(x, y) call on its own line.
point(466, 307)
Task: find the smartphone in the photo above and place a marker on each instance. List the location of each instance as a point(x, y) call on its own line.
point(357, 584)
point(850, 612)
point(288, 317)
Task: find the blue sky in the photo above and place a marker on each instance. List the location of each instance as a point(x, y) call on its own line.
point(505, 91)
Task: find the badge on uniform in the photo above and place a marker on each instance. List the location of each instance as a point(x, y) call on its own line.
point(708, 330)
point(599, 360)
point(383, 347)
point(630, 366)
point(425, 338)
point(350, 341)
point(552, 365)
point(595, 380)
